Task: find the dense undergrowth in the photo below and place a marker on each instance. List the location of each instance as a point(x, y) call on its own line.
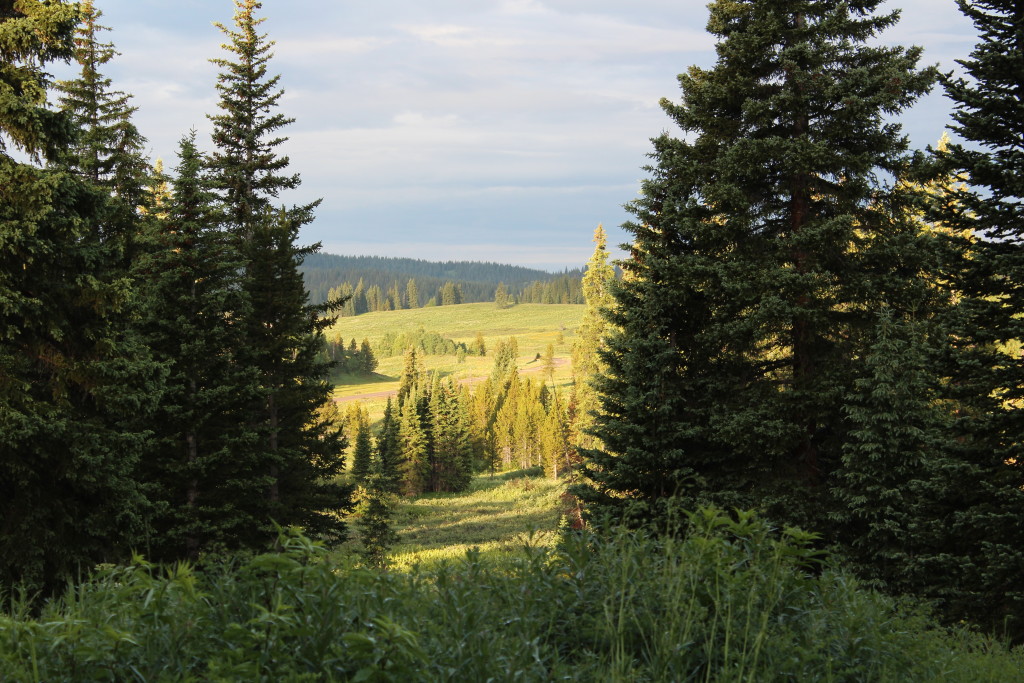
point(732, 601)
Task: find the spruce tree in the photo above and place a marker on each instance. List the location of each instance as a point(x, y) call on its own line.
point(762, 242)
point(547, 362)
point(70, 374)
point(375, 515)
point(412, 294)
point(198, 467)
point(586, 362)
point(985, 539)
point(411, 373)
point(389, 449)
point(452, 456)
point(361, 452)
point(300, 453)
point(501, 299)
point(891, 458)
point(108, 152)
point(415, 448)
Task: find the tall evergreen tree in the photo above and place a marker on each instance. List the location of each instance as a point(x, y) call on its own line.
point(892, 459)
point(985, 542)
point(501, 298)
point(300, 451)
point(763, 240)
point(412, 294)
point(203, 445)
point(586, 362)
point(416, 466)
point(389, 449)
point(362, 452)
point(452, 456)
point(109, 149)
point(69, 374)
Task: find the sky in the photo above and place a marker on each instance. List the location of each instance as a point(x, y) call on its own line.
point(485, 130)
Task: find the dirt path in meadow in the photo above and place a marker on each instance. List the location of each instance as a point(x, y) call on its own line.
point(535, 368)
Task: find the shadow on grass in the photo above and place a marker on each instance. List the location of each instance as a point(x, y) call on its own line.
point(494, 512)
point(342, 379)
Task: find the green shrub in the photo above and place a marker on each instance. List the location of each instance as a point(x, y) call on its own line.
point(732, 601)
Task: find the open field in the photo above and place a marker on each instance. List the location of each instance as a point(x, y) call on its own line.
point(533, 325)
point(498, 515)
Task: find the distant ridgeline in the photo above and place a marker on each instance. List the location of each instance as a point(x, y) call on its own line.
point(378, 283)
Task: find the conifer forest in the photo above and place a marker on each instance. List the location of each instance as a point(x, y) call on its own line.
point(782, 438)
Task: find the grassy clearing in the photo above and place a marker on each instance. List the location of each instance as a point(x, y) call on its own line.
point(533, 325)
point(497, 516)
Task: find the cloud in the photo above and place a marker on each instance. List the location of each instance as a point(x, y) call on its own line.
point(465, 120)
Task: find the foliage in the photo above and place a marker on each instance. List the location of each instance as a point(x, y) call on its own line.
point(586, 361)
point(978, 208)
point(202, 440)
point(330, 275)
point(734, 600)
point(74, 377)
point(294, 467)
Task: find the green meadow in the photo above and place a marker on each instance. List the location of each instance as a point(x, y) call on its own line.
point(533, 325)
point(497, 517)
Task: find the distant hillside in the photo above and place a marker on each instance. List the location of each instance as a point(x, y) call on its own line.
point(386, 281)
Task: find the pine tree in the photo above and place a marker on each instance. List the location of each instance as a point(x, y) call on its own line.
point(411, 373)
point(202, 443)
point(395, 296)
point(412, 294)
point(361, 452)
point(891, 458)
point(586, 362)
point(547, 362)
point(501, 299)
point(109, 149)
point(452, 456)
point(300, 453)
point(71, 376)
point(556, 451)
point(368, 362)
point(479, 347)
point(984, 549)
point(375, 515)
point(762, 242)
point(389, 450)
point(415, 447)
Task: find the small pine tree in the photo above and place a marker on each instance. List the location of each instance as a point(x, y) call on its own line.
point(501, 299)
point(389, 450)
point(412, 294)
point(415, 447)
point(411, 373)
point(375, 515)
point(547, 362)
point(479, 347)
point(362, 452)
point(586, 361)
point(367, 361)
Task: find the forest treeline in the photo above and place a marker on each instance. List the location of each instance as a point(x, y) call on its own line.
point(438, 433)
point(163, 382)
point(376, 283)
point(816, 321)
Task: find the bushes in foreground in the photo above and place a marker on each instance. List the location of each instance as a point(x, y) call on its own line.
point(733, 601)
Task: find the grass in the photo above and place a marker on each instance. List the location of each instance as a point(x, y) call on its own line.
point(497, 516)
point(533, 325)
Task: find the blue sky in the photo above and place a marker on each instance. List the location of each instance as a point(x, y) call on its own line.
point(499, 130)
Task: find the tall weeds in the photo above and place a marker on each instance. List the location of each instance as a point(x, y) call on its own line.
point(733, 600)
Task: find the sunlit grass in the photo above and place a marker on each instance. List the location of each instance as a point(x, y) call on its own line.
point(498, 516)
point(534, 326)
